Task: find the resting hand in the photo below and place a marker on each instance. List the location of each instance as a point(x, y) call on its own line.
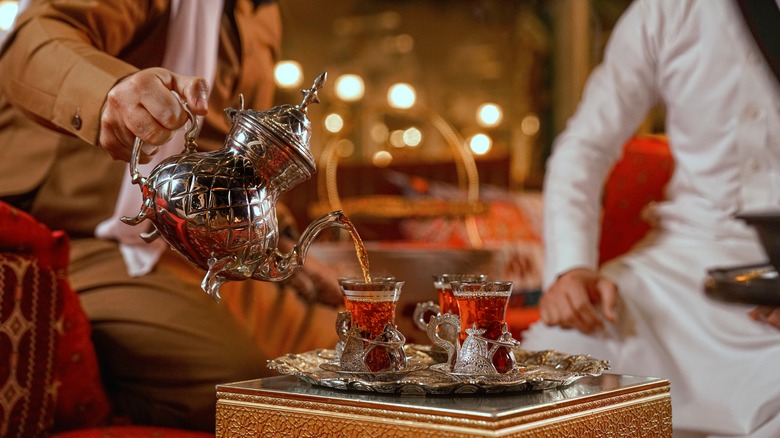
point(572, 301)
point(769, 315)
point(142, 105)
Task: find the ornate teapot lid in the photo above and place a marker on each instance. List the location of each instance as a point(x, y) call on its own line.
point(289, 124)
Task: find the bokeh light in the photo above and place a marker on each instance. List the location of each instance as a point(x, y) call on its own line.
point(382, 159)
point(530, 125)
point(288, 74)
point(480, 144)
point(345, 148)
point(489, 115)
point(396, 138)
point(350, 87)
point(412, 137)
point(334, 123)
point(401, 96)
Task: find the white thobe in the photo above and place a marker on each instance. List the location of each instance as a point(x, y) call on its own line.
point(723, 123)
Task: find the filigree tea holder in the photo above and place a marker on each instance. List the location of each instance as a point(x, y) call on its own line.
point(486, 346)
point(371, 341)
point(359, 351)
point(475, 355)
point(446, 304)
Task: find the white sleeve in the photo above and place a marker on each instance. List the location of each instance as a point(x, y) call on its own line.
point(617, 97)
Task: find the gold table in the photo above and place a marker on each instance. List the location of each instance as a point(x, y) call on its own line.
point(609, 405)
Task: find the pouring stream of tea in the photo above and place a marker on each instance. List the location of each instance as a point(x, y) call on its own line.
point(360, 248)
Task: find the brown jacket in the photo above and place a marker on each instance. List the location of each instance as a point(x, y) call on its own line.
point(56, 71)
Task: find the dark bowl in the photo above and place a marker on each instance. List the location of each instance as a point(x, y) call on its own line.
point(767, 225)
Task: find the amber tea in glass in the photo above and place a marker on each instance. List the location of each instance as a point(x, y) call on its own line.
point(342, 280)
point(372, 305)
point(441, 282)
point(483, 304)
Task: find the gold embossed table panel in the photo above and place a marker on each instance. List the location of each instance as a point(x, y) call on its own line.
point(609, 405)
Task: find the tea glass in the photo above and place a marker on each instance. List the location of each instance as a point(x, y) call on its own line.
point(342, 280)
point(446, 304)
point(482, 309)
point(372, 341)
point(442, 282)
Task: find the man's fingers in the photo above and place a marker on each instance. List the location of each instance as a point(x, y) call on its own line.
point(769, 315)
point(195, 91)
point(144, 125)
point(164, 108)
point(609, 297)
point(113, 145)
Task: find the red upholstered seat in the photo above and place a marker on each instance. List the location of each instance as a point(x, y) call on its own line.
point(638, 179)
point(49, 362)
point(49, 376)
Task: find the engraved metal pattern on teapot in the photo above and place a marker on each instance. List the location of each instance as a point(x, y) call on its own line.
point(218, 208)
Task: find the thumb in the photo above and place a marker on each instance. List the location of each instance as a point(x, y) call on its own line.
point(609, 297)
point(194, 91)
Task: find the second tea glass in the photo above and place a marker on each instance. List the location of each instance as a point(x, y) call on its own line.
point(482, 309)
point(447, 304)
point(441, 282)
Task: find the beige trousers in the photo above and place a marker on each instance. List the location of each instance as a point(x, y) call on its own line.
point(163, 343)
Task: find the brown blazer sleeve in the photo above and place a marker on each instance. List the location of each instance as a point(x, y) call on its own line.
point(62, 59)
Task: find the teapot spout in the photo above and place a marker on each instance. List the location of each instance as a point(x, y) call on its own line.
point(281, 266)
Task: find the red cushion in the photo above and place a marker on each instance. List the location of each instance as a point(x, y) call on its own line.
point(75, 381)
point(30, 308)
point(636, 180)
point(81, 399)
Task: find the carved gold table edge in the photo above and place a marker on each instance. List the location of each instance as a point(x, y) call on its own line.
point(641, 411)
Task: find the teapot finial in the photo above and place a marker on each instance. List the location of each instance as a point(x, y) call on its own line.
point(310, 95)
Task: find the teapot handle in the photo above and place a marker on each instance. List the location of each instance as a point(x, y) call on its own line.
point(190, 146)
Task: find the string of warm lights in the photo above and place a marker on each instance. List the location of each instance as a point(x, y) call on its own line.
point(350, 88)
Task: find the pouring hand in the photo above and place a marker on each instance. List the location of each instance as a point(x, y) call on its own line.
point(572, 301)
point(142, 105)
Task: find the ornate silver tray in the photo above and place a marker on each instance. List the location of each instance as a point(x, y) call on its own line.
point(535, 370)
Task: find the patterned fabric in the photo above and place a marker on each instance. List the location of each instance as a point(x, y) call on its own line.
point(48, 367)
point(30, 309)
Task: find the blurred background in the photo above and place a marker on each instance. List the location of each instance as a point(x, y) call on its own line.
point(505, 74)
point(434, 127)
point(427, 91)
point(470, 92)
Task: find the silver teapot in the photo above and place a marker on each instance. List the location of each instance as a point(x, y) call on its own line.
point(218, 208)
